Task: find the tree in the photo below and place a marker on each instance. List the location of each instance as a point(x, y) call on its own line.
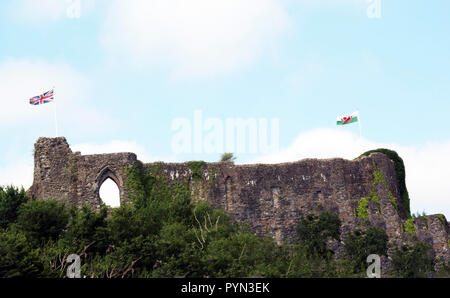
point(86, 227)
point(43, 220)
point(360, 244)
point(413, 261)
point(11, 198)
point(314, 231)
point(228, 157)
point(18, 258)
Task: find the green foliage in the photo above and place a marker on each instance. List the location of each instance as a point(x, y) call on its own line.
point(227, 157)
point(196, 167)
point(362, 208)
point(425, 219)
point(442, 220)
point(86, 227)
point(212, 176)
point(378, 176)
point(314, 231)
point(413, 261)
point(409, 226)
point(401, 174)
point(374, 198)
point(42, 220)
point(161, 233)
point(11, 198)
point(393, 201)
point(18, 258)
point(360, 244)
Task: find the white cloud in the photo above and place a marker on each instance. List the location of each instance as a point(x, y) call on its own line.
point(196, 37)
point(21, 79)
point(19, 173)
point(43, 11)
point(38, 10)
point(427, 166)
point(117, 146)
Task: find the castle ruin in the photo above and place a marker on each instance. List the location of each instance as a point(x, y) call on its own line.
point(270, 198)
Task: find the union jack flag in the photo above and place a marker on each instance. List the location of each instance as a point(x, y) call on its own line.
point(43, 98)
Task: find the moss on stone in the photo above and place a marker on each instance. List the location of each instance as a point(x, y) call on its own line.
point(362, 208)
point(212, 176)
point(409, 226)
point(400, 171)
point(442, 220)
point(393, 201)
point(72, 169)
point(374, 198)
point(196, 167)
point(378, 176)
point(425, 219)
point(154, 170)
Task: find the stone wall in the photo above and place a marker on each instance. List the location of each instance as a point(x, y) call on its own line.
point(74, 178)
point(270, 198)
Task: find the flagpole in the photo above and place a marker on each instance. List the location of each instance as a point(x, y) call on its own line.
point(360, 128)
point(56, 119)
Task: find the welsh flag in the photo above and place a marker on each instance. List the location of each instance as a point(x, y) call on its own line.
point(343, 120)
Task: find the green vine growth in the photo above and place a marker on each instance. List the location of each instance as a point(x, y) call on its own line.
point(409, 226)
point(442, 220)
point(196, 167)
point(400, 171)
point(425, 219)
point(362, 208)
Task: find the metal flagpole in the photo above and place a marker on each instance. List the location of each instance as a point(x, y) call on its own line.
point(359, 122)
point(56, 119)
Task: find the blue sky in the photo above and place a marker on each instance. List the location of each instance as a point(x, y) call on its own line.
point(124, 70)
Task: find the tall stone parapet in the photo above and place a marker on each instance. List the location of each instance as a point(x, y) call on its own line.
point(435, 230)
point(74, 178)
point(52, 171)
point(272, 197)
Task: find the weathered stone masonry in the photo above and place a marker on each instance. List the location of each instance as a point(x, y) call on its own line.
point(270, 198)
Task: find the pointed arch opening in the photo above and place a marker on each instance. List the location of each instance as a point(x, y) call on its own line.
point(109, 193)
point(109, 188)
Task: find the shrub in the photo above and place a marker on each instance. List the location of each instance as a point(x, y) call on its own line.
point(229, 157)
point(86, 227)
point(43, 220)
point(11, 198)
point(314, 231)
point(413, 261)
point(18, 258)
point(360, 244)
